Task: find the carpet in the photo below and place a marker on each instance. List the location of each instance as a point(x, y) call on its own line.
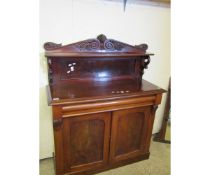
point(157, 164)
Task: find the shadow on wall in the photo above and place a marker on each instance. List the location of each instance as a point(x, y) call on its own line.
point(45, 114)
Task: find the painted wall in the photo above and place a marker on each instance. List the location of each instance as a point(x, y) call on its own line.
point(67, 21)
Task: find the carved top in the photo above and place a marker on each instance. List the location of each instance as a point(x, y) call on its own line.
point(101, 46)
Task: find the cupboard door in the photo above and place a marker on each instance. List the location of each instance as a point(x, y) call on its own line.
point(129, 133)
point(86, 142)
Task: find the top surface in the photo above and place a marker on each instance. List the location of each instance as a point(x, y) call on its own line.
point(82, 92)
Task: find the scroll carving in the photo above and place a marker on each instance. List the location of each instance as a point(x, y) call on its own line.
point(142, 46)
point(144, 65)
point(51, 46)
point(89, 45)
point(146, 62)
point(108, 45)
point(113, 45)
point(99, 44)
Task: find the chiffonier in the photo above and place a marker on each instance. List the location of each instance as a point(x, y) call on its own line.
point(103, 111)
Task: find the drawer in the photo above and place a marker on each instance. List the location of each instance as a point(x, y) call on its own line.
point(81, 109)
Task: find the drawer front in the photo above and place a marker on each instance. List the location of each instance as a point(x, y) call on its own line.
point(91, 108)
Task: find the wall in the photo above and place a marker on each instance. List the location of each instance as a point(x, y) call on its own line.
point(67, 21)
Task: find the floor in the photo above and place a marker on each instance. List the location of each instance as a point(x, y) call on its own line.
point(168, 132)
point(157, 164)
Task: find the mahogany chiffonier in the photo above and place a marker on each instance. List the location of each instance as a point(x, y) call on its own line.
point(103, 111)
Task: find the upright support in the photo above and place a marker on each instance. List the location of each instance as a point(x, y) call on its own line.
point(160, 136)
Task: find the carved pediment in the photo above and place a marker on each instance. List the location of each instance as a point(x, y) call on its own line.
point(98, 45)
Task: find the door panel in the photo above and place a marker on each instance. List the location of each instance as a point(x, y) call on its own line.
point(129, 131)
point(86, 141)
